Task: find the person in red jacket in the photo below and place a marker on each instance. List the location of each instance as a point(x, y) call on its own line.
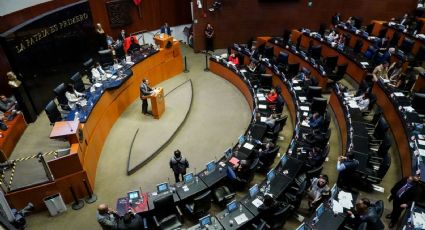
point(233, 59)
point(271, 96)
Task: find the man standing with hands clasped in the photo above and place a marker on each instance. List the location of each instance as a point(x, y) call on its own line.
point(179, 165)
point(145, 92)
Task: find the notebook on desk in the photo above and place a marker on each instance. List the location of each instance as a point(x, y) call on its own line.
point(234, 161)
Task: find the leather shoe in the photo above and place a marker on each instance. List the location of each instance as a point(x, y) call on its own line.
point(391, 225)
point(388, 216)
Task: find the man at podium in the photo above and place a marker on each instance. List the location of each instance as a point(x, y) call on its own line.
point(145, 92)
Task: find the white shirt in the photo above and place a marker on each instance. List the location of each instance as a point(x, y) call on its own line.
point(98, 74)
point(73, 98)
point(362, 103)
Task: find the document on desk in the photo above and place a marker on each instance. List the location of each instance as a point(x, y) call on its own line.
point(353, 105)
point(304, 108)
point(409, 108)
point(248, 146)
point(305, 123)
point(263, 119)
point(297, 88)
point(260, 95)
point(302, 99)
point(295, 81)
point(244, 71)
point(399, 94)
point(185, 188)
point(345, 199)
point(364, 63)
point(241, 219)
point(257, 202)
point(421, 142)
point(422, 152)
point(336, 207)
point(261, 106)
point(262, 98)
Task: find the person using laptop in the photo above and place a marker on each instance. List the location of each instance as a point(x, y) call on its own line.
point(178, 164)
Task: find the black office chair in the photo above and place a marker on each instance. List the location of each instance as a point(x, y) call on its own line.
point(358, 47)
point(282, 121)
point(167, 215)
point(330, 63)
point(52, 112)
point(319, 105)
point(78, 82)
point(295, 194)
point(60, 91)
point(340, 72)
point(292, 70)
point(273, 135)
point(200, 205)
point(362, 226)
point(266, 160)
point(266, 81)
point(394, 40)
point(314, 173)
point(222, 195)
point(248, 176)
point(259, 225)
point(88, 65)
point(279, 218)
point(105, 57)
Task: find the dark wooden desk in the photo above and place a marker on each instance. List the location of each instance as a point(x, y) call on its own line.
point(225, 218)
point(215, 225)
point(194, 188)
point(11, 136)
point(152, 196)
point(212, 178)
point(123, 205)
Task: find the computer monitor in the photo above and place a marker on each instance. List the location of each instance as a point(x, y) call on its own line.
point(283, 160)
point(205, 221)
point(188, 178)
point(211, 166)
point(418, 102)
point(232, 206)
point(242, 139)
point(320, 210)
point(133, 196)
point(270, 175)
point(314, 91)
point(334, 191)
point(228, 153)
point(253, 191)
point(163, 187)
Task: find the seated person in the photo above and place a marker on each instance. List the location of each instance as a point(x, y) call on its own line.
point(341, 42)
point(271, 121)
point(271, 96)
point(253, 65)
point(309, 81)
point(107, 218)
point(399, 82)
point(315, 121)
point(318, 190)
point(280, 102)
point(364, 212)
point(264, 152)
point(363, 101)
point(395, 70)
point(268, 208)
point(130, 221)
point(98, 73)
point(133, 45)
point(314, 157)
point(332, 36)
point(238, 171)
point(7, 104)
point(380, 71)
point(365, 85)
point(233, 59)
point(73, 96)
point(254, 55)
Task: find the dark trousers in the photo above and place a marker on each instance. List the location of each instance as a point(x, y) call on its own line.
point(209, 44)
point(395, 214)
point(144, 106)
point(177, 176)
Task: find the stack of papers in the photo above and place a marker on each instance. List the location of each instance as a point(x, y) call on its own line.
point(241, 219)
point(418, 220)
point(345, 199)
point(257, 202)
point(336, 207)
point(248, 146)
point(295, 81)
point(304, 108)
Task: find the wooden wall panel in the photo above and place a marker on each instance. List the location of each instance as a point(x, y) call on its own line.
point(238, 21)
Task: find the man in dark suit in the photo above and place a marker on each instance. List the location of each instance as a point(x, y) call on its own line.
point(403, 194)
point(145, 91)
point(165, 29)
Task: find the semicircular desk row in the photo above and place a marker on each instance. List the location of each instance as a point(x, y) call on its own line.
point(77, 170)
point(386, 97)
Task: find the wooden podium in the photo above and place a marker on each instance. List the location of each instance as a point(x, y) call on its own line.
point(162, 40)
point(158, 103)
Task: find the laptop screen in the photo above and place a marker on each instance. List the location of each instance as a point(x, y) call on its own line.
point(188, 178)
point(210, 166)
point(232, 206)
point(283, 160)
point(320, 210)
point(163, 187)
point(133, 195)
point(204, 221)
point(228, 153)
point(241, 139)
point(270, 175)
point(253, 191)
point(334, 191)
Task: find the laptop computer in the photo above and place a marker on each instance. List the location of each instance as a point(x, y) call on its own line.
point(133, 196)
point(188, 178)
point(161, 188)
point(205, 221)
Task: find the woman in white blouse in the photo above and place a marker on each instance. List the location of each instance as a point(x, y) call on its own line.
point(73, 96)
